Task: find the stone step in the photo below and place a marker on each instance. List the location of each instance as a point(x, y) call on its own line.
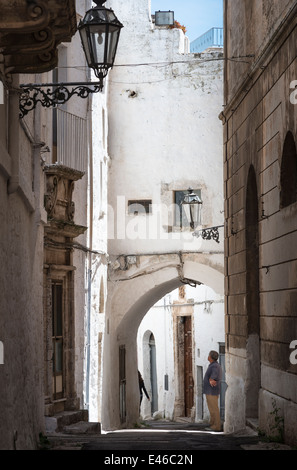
point(253, 423)
point(57, 422)
point(83, 427)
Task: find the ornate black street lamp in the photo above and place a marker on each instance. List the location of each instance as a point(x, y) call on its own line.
point(192, 205)
point(99, 32)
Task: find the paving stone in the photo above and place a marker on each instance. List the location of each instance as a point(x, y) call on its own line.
point(156, 436)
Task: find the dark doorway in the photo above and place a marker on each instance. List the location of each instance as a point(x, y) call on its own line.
point(57, 338)
point(288, 193)
point(122, 370)
point(252, 297)
point(153, 374)
point(188, 366)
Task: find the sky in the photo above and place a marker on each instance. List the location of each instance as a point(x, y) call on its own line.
point(198, 16)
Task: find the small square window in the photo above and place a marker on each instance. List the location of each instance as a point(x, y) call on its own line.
point(137, 207)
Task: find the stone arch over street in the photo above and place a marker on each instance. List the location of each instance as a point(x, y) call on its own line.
point(131, 293)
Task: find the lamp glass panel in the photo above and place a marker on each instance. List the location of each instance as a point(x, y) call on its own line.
point(112, 43)
point(195, 211)
point(85, 43)
point(98, 38)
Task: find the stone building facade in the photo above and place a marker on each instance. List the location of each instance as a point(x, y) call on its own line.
point(46, 252)
point(260, 133)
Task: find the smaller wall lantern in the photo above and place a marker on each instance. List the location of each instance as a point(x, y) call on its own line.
point(192, 206)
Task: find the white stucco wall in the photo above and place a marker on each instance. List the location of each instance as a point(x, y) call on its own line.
point(164, 133)
point(96, 265)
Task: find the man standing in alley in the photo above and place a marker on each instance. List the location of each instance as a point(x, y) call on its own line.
point(212, 388)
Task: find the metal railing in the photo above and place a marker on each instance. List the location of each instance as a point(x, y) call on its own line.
point(72, 140)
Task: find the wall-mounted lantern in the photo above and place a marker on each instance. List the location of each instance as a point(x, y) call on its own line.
point(192, 205)
point(99, 32)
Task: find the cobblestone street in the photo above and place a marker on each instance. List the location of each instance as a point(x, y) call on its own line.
point(161, 436)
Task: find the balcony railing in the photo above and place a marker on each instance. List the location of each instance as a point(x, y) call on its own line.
point(72, 140)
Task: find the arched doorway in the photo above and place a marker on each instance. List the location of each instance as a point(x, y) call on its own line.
point(252, 298)
point(127, 303)
point(187, 323)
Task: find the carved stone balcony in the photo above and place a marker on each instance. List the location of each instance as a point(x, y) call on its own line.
point(58, 202)
point(31, 30)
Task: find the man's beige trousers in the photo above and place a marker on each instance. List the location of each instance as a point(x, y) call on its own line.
point(213, 406)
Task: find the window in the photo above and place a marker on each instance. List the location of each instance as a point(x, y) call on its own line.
point(288, 172)
point(140, 207)
point(181, 219)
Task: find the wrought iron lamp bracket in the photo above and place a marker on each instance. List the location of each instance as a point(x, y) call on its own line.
point(54, 94)
point(209, 233)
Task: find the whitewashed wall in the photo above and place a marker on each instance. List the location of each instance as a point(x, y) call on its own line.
point(164, 133)
point(96, 266)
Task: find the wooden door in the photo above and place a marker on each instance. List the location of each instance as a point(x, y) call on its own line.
point(58, 340)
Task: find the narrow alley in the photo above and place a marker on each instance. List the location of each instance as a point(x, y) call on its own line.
point(148, 207)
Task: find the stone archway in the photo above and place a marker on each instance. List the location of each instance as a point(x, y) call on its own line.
point(131, 294)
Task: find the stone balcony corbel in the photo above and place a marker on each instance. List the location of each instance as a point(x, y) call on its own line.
point(58, 201)
point(31, 33)
point(27, 16)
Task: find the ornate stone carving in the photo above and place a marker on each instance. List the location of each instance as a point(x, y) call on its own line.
point(31, 31)
point(26, 15)
point(58, 202)
point(28, 43)
point(51, 195)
